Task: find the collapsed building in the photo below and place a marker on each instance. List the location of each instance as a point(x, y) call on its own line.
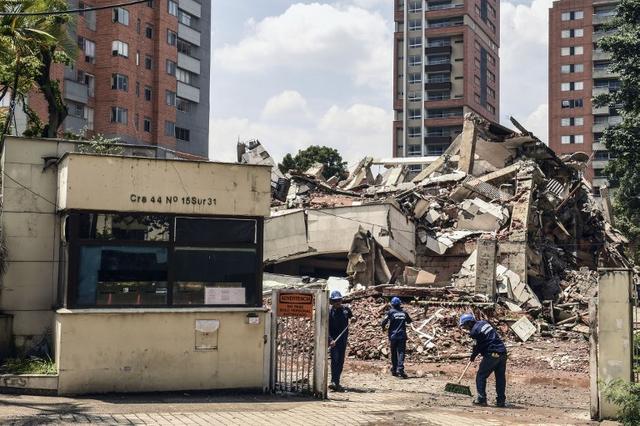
point(499, 217)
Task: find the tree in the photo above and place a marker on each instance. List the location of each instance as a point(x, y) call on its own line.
point(305, 158)
point(30, 45)
point(623, 140)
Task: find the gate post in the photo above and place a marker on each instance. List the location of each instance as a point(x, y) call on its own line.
point(273, 346)
point(321, 347)
point(614, 356)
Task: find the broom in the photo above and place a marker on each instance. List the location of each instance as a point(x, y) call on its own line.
point(457, 387)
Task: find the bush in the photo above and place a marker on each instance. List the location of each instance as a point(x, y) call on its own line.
point(627, 396)
point(28, 366)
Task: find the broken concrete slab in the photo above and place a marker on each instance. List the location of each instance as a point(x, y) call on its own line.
point(523, 328)
point(478, 215)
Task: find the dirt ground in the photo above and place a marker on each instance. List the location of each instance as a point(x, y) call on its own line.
point(548, 383)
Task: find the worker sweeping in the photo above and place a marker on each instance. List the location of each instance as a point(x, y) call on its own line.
point(494, 357)
point(397, 320)
point(339, 316)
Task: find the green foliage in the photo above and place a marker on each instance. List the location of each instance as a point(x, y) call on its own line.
point(29, 366)
point(623, 140)
point(627, 396)
point(305, 158)
point(102, 145)
point(29, 46)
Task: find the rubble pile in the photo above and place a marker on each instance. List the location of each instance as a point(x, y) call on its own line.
point(497, 219)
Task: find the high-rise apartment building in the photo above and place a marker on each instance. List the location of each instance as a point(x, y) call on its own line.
point(446, 64)
point(141, 74)
point(578, 70)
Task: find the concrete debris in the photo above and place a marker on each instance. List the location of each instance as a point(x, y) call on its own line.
point(499, 220)
point(523, 328)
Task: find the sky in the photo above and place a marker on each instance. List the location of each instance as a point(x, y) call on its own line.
point(300, 73)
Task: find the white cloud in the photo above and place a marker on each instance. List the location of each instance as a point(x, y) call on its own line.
point(316, 38)
point(356, 131)
point(537, 122)
point(288, 105)
point(523, 65)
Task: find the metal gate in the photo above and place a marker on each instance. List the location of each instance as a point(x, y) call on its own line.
point(299, 342)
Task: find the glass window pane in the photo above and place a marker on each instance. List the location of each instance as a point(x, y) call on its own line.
point(118, 275)
point(215, 231)
point(122, 227)
point(215, 277)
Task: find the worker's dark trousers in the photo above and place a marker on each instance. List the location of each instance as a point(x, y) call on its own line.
point(397, 355)
point(337, 360)
point(492, 363)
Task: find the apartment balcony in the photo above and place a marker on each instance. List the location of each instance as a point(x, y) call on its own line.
point(444, 6)
point(437, 50)
point(598, 147)
point(437, 85)
point(603, 110)
point(600, 91)
point(189, 34)
point(603, 74)
point(445, 24)
point(600, 164)
point(444, 67)
point(191, 7)
point(599, 182)
point(189, 63)
point(599, 128)
point(599, 55)
point(188, 92)
point(611, 121)
point(601, 19)
point(74, 124)
point(598, 35)
point(76, 92)
point(437, 139)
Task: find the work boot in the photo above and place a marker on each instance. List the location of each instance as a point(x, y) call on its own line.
point(501, 404)
point(332, 386)
point(403, 375)
point(393, 372)
point(480, 402)
point(338, 388)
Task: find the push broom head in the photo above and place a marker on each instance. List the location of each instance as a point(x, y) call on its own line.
point(457, 388)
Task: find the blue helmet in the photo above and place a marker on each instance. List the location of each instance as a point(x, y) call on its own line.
point(465, 318)
point(395, 301)
point(335, 295)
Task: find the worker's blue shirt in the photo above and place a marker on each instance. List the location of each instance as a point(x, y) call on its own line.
point(338, 321)
point(397, 320)
point(487, 339)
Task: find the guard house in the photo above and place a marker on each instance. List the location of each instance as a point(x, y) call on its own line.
point(144, 273)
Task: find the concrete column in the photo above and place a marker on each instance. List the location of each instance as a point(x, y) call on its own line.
point(486, 267)
point(468, 146)
point(614, 333)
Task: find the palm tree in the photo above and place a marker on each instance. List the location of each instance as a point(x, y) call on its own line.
point(29, 46)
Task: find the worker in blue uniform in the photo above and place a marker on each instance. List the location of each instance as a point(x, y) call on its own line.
point(339, 317)
point(494, 358)
point(397, 319)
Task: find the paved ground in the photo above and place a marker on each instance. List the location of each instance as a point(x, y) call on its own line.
point(372, 398)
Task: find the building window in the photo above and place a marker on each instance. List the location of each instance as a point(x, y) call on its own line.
point(138, 58)
point(415, 114)
point(125, 260)
point(573, 85)
point(119, 82)
point(415, 77)
point(414, 150)
point(571, 68)
point(572, 139)
point(138, 25)
point(573, 15)
point(171, 67)
point(572, 103)
point(415, 42)
point(438, 59)
point(137, 88)
point(184, 76)
point(183, 105)
point(183, 134)
point(148, 62)
point(120, 48)
point(172, 38)
point(170, 98)
point(172, 8)
point(170, 128)
point(572, 121)
point(415, 6)
point(439, 42)
point(76, 110)
point(89, 117)
point(150, 3)
point(185, 19)
point(89, 49)
point(119, 115)
point(147, 93)
point(415, 60)
point(148, 31)
point(147, 125)
point(415, 24)
point(185, 47)
point(121, 15)
point(414, 132)
point(571, 51)
point(572, 33)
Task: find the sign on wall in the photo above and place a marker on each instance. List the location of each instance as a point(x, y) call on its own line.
point(293, 304)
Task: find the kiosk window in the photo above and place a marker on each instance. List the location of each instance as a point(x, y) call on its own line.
point(136, 260)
